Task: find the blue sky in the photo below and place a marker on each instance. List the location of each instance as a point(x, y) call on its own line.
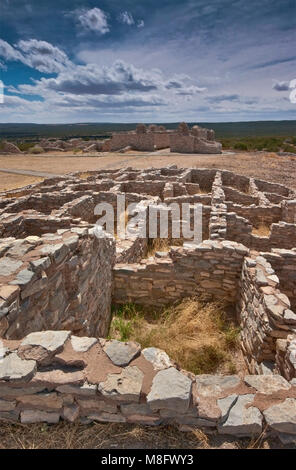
point(147, 60)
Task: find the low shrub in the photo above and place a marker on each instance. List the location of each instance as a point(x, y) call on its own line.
point(36, 150)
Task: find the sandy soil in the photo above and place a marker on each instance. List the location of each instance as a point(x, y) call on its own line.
point(10, 181)
point(258, 164)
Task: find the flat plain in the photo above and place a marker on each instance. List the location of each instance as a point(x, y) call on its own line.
point(263, 165)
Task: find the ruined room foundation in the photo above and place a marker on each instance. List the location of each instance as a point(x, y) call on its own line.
point(58, 281)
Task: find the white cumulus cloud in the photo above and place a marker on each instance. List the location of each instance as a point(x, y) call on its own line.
point(40, 55)
point(94, 20)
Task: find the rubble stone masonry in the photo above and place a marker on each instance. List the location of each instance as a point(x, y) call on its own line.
point(50, 376)
point(58, 280)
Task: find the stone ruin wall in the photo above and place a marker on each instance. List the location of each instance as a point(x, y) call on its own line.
point(61, 278)
point(144, 139)
point(57, 281)
point(53, 375)
point(211, 267)
point(265, 315)
point(183, 140)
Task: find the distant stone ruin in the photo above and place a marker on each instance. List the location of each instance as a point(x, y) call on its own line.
point(58, 281)
point(183, 140)
point(143, 138)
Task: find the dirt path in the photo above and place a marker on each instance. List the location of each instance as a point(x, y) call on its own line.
point(28, 172)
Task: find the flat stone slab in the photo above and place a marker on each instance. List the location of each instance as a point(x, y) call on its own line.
point(41, 346)
point(170, 390)
point(159, 359)
point(45, 401)
point(213, 385)
point(282, 417)
point(141, 409)
point(225, 405)
point(8, 266)
point(49, 340)
point(242, 421)
point(125, 386)
point(37, 416)
point(121, 354)
point(82, 344)
point(84, 390)
point(12, 367)
point(267, 383)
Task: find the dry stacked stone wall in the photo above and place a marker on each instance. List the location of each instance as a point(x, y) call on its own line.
point(50, 376)
point(58, 279)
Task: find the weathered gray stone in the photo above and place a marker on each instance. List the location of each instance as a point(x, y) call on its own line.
point(125, 386)
point(38, 416)
point(121, 354)
point(290, 317)
point(7, 405)
point(242, 421)
point(43, 345)
point(225, 405)
point(56, 252)
point(159, 359)
point(85, 389)
point(267, 367)
point(90, 404)
point(267, 383)
point(136, 409)
point(106, 417)
point(213, 385)
point(70, 413)
point(282, 417)
point(40, 264)
point(8, 266)
point(45, 401)
point(196, 422)
point(12, 367)
point(170, 389)
point(23, 277)
point(13, 392)
point(260, 277)
point(82, 344)
point(287, 438)
point(12, 416)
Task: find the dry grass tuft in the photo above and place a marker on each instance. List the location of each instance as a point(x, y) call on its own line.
point(200, 335)
point(202, 438)
point(96, 436)
point(157, 244)
point(119, 436)
point(84, 175)
point(262, 230)
point(259, 441)
point(162, 244)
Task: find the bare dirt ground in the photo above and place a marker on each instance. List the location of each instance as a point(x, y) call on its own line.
point(262, 165)
point(11, 181)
